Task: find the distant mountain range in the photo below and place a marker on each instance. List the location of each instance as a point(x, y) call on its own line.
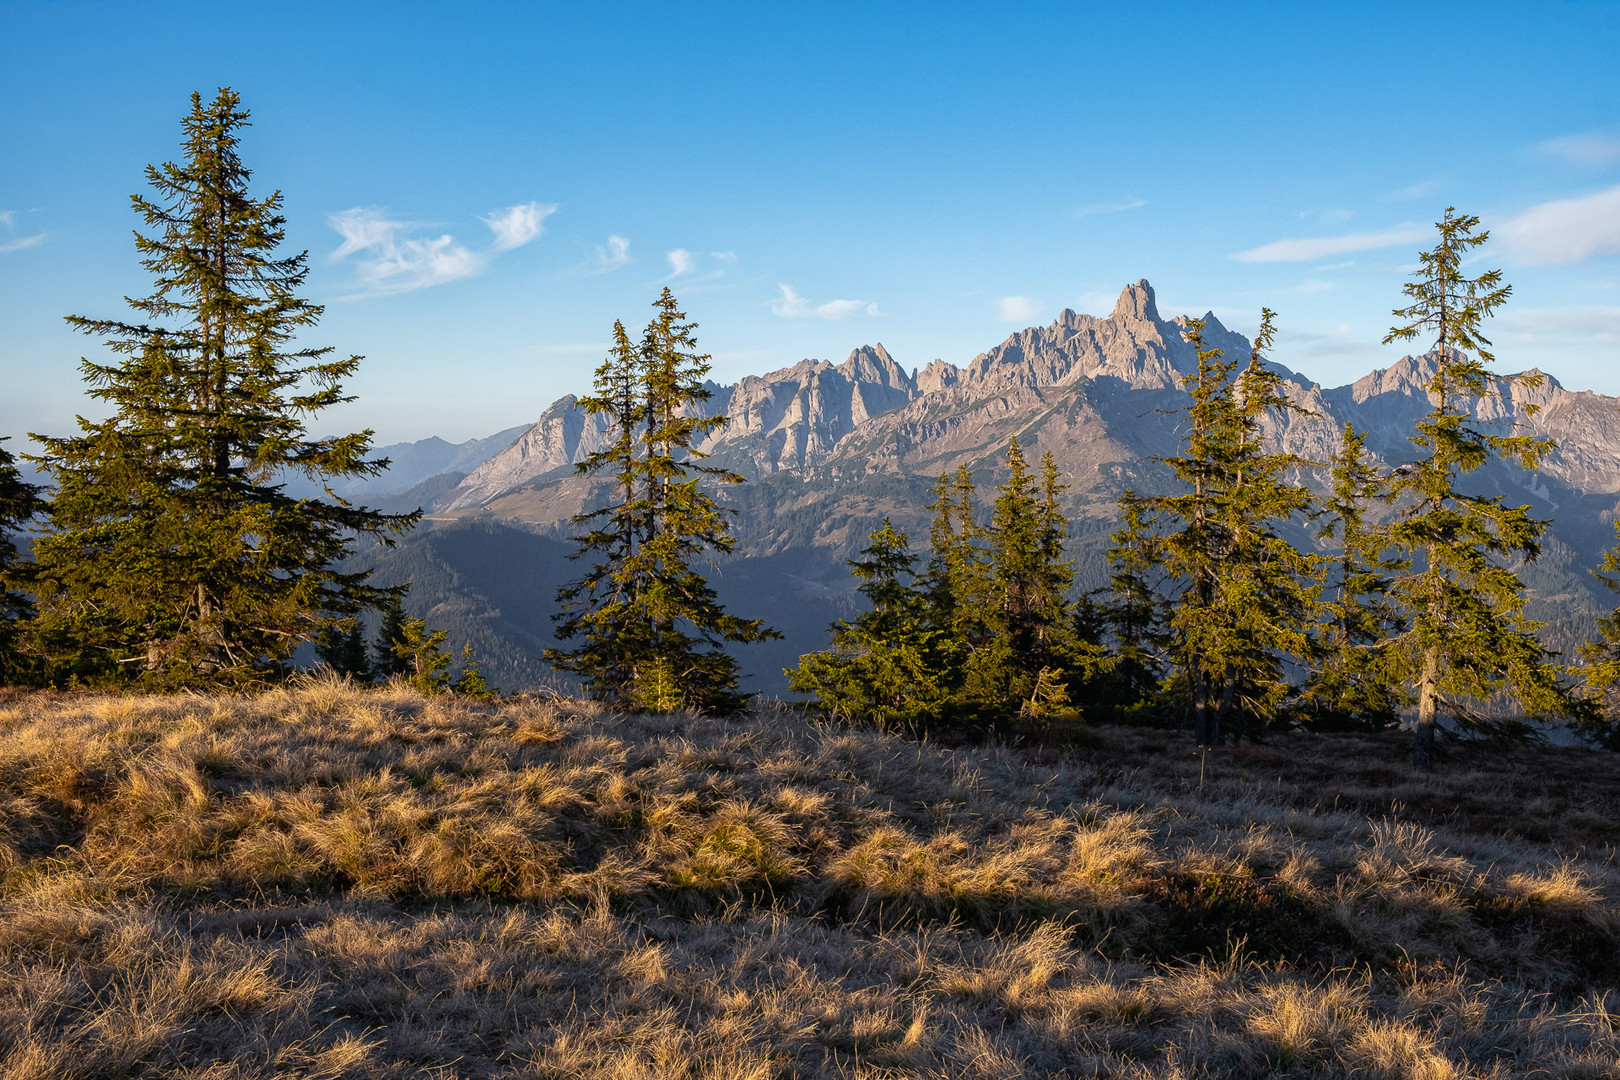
point(832, 449)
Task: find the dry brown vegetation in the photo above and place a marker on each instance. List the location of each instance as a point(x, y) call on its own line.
point(333, 882)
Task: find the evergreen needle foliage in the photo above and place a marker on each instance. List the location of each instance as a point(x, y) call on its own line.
point(650, 627)
point(986, 635)
point(19, 502)
point(174, 558)
point(1601, 666)
point(1133, 612)
point(1243, 595)
point(1353, 682)
point(891, 665)
point(1466, 636)
point(1030, 657)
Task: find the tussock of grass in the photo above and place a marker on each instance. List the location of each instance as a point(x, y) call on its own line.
point(327, 882)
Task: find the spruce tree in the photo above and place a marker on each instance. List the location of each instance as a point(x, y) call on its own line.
point(1031, 658)
point(1467, 637)
point(386, 659)
point(174, 557)
point(956, 580)
point(602, 607)
point(1600, 667)
point(1132, 611)
point(341, 646)
point(652, 628)
point(1352, 682)
point(419, 657)
point(891, 665)
point(1245, 593)
point(469, 681)
point(19, 503)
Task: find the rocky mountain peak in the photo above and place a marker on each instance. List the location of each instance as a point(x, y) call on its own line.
point(1137, 302)
point(873, 364)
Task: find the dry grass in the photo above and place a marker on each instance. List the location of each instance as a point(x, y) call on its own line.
point(329, 882)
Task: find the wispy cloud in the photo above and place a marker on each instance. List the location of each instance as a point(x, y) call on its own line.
point(790, 305)
point(1565, 230)
point(681, 262)
point(8, 219)
point(1309, 249)
point(1591, 148)
point(1414, 191)
point(25, 242)
point(609, 257)
point(517, 225)
point(707, 266)
point(1115, 207)
point(1017, 309)
point(391, 258)
point(1590, 325)
point(390, 261)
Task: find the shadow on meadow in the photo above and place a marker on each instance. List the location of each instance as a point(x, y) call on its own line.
point(331, 882)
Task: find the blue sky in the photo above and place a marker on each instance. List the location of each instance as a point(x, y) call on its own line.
point(484, 188)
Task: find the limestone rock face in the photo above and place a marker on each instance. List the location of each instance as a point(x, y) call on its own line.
point(562, 436)
point(788, 420)
point(838, 446)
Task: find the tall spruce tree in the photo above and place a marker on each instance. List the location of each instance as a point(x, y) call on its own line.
point(1244, 592)
point(956, 580)
point(1132, 610)
point(1031, 658)
point(1352, 682)
point(1601, 660)
point(602, 608)
point(652, 628)
point(1467, 637)
point(174, 557)
point(19, 502)
point(890, 665)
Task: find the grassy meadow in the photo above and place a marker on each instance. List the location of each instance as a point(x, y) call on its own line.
point(327, 881)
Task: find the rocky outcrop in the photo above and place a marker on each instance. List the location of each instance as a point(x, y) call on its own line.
point(791, 420)
point(562, 436)
point(1104, 395)
point(787, 421)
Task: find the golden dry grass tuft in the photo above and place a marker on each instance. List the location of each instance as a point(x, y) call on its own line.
point(333, 882)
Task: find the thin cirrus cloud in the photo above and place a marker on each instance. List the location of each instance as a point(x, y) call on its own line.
point(681, 262)
point(8, 219)
point(1309, 249)
point(1565, 230)
point(1591, 148)
point(684, 263)
point(389, 259)
point(517, 225)
point(610, 256)
point(1017, 309)
point(1581, 326)
point(1117, 206)
point(1414, 191)
point(790, 305)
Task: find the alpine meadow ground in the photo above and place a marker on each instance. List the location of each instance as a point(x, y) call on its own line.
point(327, 881)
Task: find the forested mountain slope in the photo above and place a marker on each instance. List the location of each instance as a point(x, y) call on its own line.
point(832, 449)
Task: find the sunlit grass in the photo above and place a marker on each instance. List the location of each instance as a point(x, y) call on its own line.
point(327, 881)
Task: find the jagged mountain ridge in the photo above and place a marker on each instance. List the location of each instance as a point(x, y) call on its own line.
point(1101, 393)
point(833, 449)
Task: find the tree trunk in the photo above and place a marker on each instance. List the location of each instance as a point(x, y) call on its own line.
point(1201, 713)
point(1423, 734)
point(1226, 719)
